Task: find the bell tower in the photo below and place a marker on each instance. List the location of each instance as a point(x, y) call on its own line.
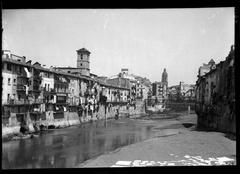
point(164, 76)
point(83, 61)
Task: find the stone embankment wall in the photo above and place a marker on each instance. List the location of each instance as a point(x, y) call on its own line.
point(71, 118)
point(181, 106)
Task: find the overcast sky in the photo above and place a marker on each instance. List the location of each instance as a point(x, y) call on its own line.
point(144, 40)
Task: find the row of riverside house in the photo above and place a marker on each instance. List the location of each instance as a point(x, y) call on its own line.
point(215, 95)
point(38, 96)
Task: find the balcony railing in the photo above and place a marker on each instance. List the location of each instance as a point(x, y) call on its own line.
point(36, 101)
point(67, 91)
point(21, 87)
point(48, 90)
point(37, 79)
point(21, 76)
point(17, 102)
point(35, 88)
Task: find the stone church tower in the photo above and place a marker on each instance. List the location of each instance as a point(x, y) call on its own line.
point(165, 84)
point(164, 76)
point(83, 63)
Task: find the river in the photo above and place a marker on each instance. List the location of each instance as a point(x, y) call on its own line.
point(69, 147)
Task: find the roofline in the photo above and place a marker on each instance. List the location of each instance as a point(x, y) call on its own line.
point(65, 68)
point(60, 73)
point(43, 69)
point(83, 50)
point(213, 70)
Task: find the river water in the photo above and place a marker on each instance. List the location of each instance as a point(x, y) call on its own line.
point(68, 147)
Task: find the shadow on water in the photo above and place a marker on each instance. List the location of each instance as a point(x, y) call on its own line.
point(65, 148)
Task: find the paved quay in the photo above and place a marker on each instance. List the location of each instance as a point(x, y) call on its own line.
point(179, 146)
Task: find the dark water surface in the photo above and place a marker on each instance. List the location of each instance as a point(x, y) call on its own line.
point(66, 148)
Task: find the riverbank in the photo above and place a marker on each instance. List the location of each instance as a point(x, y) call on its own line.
point(71, 119)
point(176, 145)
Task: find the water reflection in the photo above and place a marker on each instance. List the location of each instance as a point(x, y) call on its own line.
point(72, 146)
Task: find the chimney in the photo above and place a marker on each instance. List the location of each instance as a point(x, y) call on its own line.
point(24, 59)
point(7, 54)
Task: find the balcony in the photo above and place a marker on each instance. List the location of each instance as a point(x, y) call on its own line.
point(17, 102)
point(21, 87)
point(36, 101)
point(35, 88)
point(21, 76)
point(48, 101)
point(62, 91)
point(61, 102)
point(49, 90)
point(37, 79)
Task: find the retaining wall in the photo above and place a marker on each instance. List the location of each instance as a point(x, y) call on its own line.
point(70, 118)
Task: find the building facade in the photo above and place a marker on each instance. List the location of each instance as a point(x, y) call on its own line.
point(83, 61)
point(139, 86)
point(215, 96)
point(32, 93)
point(205, 68)
point(182, 92)
point(160, 89)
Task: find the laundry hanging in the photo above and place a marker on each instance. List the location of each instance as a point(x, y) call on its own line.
point(28, 73)
point(26, 87)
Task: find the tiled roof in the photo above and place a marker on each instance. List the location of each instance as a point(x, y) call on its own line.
point(83, 50)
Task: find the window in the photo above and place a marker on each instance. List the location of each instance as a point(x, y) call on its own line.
point(9, 67)
point(81, 56)
point(14, 80)
point(9, 81)
point(69, 71)
point(81, 64)
point(48, 87)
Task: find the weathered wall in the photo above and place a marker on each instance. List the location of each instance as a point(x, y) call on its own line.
point(8, 88)
point(215, 101)
point(180, 106)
